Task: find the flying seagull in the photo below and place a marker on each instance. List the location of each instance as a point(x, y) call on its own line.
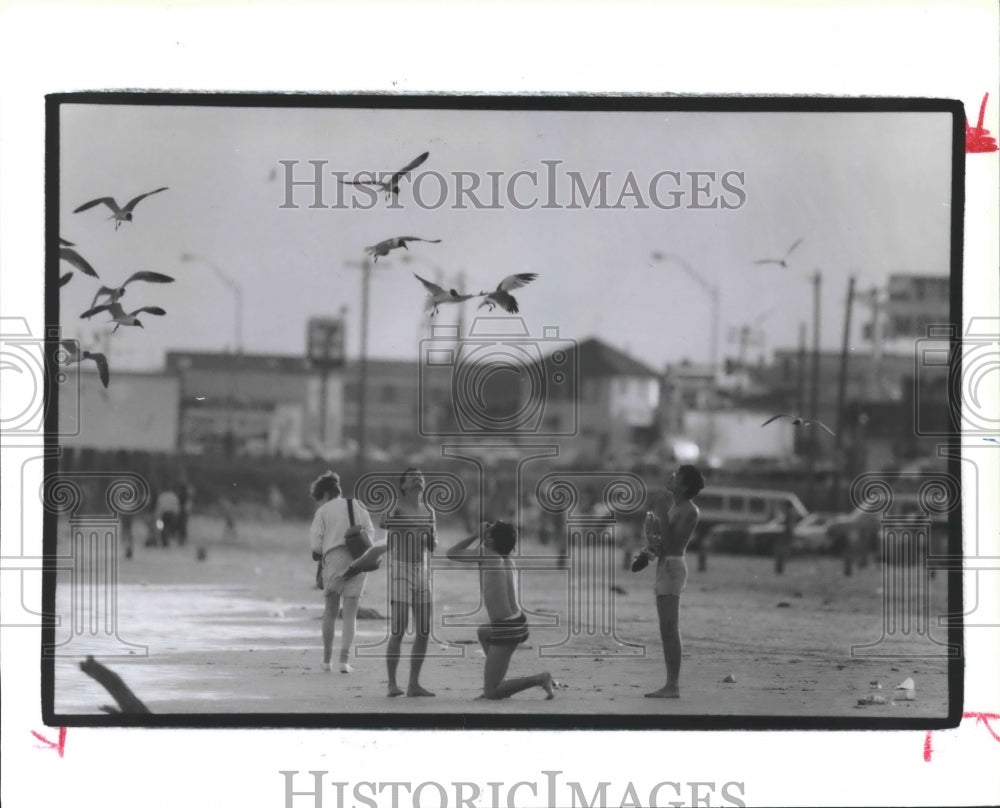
point(74, 355)
point(64, 279)
point(383, 247)
point(115, 293)
point(782, 262)
point(798, 420)
point(501, 295)
point(119, 316)
point(119, 214)
point(437, 296)
point(391, 187)
point(74, 259)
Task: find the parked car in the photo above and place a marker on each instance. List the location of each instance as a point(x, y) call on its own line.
point(736, 508)
point(860, 532)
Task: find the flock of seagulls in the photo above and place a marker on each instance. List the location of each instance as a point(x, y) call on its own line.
point(436, 294)
point(107, 295)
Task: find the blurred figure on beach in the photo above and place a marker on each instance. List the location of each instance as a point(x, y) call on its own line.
point(411, 541)
point(783, 544)
point(185, 495)
point(228, 509)
point(168, 513)
point(342, 585)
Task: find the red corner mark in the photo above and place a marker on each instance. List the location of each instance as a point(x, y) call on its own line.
point(981, 718)
point(979, 140)
point(59, 747)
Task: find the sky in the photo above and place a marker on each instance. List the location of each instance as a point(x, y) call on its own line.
point(868, 194)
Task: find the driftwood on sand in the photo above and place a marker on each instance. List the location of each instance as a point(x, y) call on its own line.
point(128, 702)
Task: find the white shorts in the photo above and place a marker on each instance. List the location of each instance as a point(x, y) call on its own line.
point(336, 562)
point(671, 575)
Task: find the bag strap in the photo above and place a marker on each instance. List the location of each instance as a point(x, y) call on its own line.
point(350, 511)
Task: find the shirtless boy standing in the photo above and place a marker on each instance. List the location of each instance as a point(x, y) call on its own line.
point(508, 626)
point(669, 526)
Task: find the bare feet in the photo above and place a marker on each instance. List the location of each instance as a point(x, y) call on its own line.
point(547, 684)
point(417, 690)
point(395, 690)
point(665, 692)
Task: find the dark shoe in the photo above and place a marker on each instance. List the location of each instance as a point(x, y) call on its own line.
point(640, 562)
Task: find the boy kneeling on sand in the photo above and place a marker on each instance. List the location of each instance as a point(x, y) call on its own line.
point(508, 626)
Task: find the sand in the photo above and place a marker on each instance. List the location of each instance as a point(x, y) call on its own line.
point(239, 632)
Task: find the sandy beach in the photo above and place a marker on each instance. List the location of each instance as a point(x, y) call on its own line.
point(239, 632)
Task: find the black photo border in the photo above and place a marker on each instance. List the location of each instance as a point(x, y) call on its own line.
point(519, 102)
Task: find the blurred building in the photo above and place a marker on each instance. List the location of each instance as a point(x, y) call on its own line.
point(136, 412)
point(263, 403)
point(612, 407)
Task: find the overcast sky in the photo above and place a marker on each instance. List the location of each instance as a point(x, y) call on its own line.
point(870, 193)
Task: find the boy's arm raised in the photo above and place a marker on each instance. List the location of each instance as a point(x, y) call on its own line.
point(462, 552)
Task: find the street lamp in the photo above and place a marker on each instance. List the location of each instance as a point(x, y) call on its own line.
point(712, 290)
point(237, 291)
point(233, 286)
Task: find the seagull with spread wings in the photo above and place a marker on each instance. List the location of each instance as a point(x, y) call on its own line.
point(75, 260)
point(782, 262)
point(120, 316)
point(437, 295)
point(798, 420)
point(115, 293)
point(383, 247)
point(75, 356)
point(501, 295)
point(391, 186)
point(119, 214)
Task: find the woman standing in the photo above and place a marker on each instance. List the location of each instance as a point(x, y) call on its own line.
point(331, 522)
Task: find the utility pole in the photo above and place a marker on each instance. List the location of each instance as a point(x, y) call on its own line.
point(817, 281)
point(841, 396)
point(366, 267)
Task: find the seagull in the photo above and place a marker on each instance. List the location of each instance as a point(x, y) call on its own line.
point(117, 213)
point(74, 259)
point(436, 295)
point(383, 247)
point(501, 297)
point(74, 355)
point(782, 262)
point(114, 294)
point(798, 420)
point(392, 185)
point(119, 315)
point(64, 279)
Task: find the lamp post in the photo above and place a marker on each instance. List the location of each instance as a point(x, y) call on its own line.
point(233, 287)
point(237, 292)
point(712, 290)
point(366, 266)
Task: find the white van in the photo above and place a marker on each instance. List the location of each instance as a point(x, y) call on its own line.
point(746, 506)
